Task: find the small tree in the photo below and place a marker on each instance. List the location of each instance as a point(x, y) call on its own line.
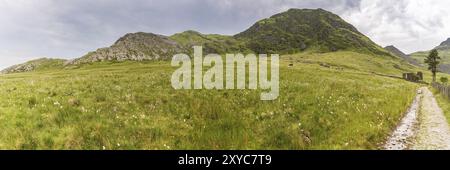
point(444, 80)
point(433, 61)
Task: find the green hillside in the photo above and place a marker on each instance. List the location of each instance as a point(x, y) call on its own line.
point(306, 29)
point(290, 32)
point(36, 65)
point(338, 90)
point(212, 43)
point(327, 101)
point(444, 53)
point(293, 31)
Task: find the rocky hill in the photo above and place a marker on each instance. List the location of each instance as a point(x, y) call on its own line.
point(134, 46)
point(306, 29)
point(293, 31)
point(34, 65)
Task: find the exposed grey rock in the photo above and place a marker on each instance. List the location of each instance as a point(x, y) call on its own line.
point(32, 65)
point(136, 47)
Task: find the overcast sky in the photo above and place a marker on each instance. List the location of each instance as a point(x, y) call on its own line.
point(68, 29)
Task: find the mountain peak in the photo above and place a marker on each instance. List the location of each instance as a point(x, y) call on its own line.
point(444, 45)
point(397, 52)
point(139, 36)
point(306, 9)
point(394, 50)
point(306, 29)
point(293, 31)
point(192, 32)
point(134, 46)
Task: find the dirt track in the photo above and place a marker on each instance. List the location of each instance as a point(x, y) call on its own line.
point(423, 127)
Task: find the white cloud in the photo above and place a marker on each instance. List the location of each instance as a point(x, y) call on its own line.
point(411, 25)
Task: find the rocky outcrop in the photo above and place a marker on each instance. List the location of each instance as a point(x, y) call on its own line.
point(136, 47)
point(33, 65)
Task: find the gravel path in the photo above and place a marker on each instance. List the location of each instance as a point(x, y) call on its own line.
point(401, 138)
point(433, 131)
point(424, 127)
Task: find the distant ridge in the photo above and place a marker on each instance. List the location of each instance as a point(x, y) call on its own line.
point(396, 52)
point(444, 52)
point(293, 31)
point(33, 65)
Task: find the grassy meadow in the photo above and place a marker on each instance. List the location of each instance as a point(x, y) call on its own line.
point(327, 101)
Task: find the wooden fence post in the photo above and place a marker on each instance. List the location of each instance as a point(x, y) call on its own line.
point(443, 89)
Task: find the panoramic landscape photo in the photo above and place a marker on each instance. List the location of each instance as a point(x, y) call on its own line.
point(225, 75)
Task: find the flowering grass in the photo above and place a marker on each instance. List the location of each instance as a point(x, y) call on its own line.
point(327, 101)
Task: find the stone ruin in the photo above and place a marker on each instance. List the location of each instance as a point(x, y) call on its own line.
point(413, 77)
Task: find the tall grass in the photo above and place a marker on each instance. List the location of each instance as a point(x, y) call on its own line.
point(133, 106)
